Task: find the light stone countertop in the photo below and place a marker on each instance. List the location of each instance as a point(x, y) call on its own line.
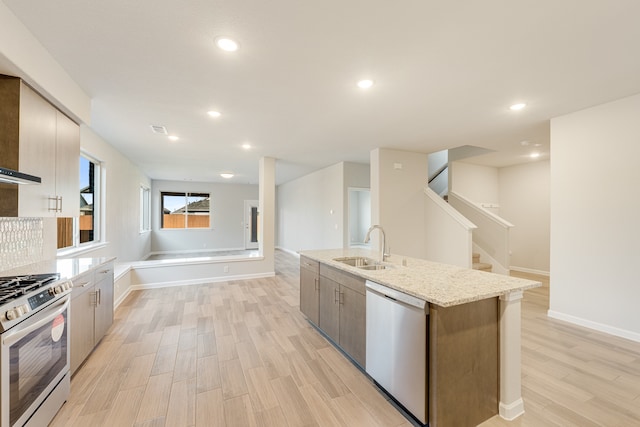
point(440, 284)
point(67, 267)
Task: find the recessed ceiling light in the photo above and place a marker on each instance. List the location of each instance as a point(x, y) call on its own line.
point(173, 137)
point(214, 114)
point(227, 44)
point(246, 146)
point(226, 175)
point(534, 155)
point(365, 84)
point(516, 107)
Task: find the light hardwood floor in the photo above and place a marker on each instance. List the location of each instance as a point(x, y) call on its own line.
point(241, 354)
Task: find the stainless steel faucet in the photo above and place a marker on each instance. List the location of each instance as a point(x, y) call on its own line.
point(383, 254)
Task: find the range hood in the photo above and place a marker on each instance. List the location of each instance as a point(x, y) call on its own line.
point(14, 177)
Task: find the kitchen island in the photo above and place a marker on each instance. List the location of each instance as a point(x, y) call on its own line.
point(473, 341)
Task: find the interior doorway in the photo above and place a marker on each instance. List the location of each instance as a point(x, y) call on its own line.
point(359, 215)
point(251, 224)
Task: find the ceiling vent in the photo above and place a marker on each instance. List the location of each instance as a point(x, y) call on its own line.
point(159, 129)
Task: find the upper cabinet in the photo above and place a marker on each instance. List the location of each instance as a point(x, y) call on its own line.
point(37, 139)
point(67, 166)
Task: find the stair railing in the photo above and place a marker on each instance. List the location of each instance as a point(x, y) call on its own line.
point(491, 234)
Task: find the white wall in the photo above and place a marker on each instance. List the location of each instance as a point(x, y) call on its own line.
point(398, 179)
point(122, 202)
point(595, 214)
point(310, 210)
point(524, 201)
point(227, 216)
point(475, 182)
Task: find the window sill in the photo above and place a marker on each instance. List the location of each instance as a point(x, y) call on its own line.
point(73, 252)
point(187, 229)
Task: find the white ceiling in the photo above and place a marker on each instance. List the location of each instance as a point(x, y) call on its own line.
point(445, 72)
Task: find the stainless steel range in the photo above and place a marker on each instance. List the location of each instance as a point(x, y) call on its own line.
point(34, 348)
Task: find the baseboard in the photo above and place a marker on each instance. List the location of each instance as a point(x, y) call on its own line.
point(289, 251)
point(218, 279)
point(513, 410)
point(124, 296)
point(600, 327)
point(530, 270)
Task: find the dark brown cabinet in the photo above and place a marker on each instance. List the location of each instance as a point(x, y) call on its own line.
point(310, 289)
point(343, 311)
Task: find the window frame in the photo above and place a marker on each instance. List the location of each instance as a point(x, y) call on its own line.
point(186, 195)
point(145, 209)
point(98, 210)
point(97, 204)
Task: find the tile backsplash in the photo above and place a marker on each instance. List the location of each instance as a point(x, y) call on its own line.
point(21, 242)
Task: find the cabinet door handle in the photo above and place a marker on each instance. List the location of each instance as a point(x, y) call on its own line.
point(336, 296)
point(316, 284)
point(341, 298)
point(85, 284)
point(99, 292)
point(58, 206)
point(95, 299)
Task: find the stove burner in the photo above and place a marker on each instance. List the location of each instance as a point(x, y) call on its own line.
point(15, 286)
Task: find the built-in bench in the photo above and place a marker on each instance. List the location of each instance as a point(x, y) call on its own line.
point(137, 275)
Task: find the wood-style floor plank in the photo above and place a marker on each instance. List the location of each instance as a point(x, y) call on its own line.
point(240, 353)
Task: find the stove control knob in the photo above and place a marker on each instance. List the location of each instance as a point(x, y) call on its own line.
point(58, 290)
point(25, 308)
point(13, 314)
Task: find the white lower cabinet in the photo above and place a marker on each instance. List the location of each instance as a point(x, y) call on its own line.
point(91, 311)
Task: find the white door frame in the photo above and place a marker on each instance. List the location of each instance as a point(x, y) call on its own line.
point(248, 209)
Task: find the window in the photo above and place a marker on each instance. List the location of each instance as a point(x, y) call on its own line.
point(88, 213)
point(145, 209)
point(185, 210)
point(74, 232)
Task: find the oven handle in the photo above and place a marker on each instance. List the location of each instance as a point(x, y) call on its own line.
point(12, 338)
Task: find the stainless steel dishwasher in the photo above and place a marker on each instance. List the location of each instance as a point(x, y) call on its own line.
point(397, 346)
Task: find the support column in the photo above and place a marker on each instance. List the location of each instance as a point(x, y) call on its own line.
point(511, 403)
point(267, 209)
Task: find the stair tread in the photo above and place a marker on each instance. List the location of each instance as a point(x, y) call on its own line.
point(482, 266)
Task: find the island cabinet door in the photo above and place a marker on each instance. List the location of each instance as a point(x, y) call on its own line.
point(330, 308)
point(310, 294)
point(353, 323)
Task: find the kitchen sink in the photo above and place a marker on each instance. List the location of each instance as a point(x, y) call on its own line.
point(363, 263)
point(356, 261)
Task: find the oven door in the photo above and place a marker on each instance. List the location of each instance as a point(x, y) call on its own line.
point(34, 359)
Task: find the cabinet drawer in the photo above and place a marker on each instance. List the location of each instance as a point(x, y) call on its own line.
point(82, 284)
point(355, 283)
point(103, 271)
point(309, 264)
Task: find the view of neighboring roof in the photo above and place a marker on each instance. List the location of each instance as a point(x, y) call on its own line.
point(194, 207)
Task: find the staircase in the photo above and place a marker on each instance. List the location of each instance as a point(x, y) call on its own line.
point(482, 266)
